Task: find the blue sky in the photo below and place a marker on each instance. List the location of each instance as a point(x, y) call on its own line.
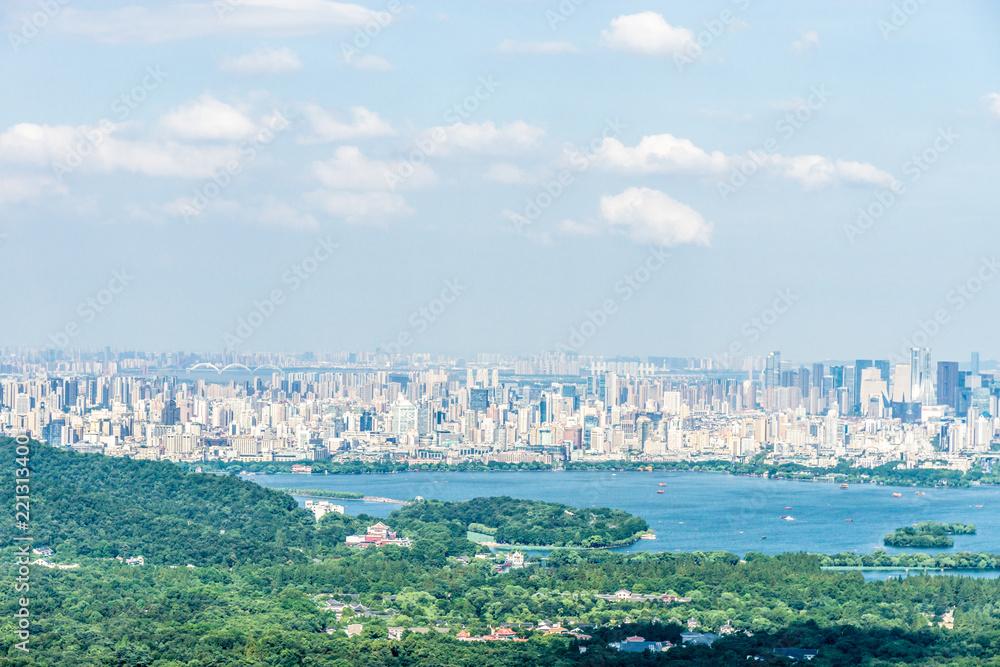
point(537, 154)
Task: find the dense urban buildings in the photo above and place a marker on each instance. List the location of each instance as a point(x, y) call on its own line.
point(547, 410)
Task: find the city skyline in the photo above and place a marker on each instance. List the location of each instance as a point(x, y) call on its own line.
point(642, 179)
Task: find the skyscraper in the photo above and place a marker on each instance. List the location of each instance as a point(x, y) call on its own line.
point(817, 376)
point(920, 376)
point(772, 371)
point(975, 363)
point(859, 368)
point(947, 382)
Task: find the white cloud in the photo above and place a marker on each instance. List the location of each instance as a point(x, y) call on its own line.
point(351, 170)
point(667, 154)
point(356, 187)
point(15, 189)
point(274, 212)
point(815, 171)
point(661, 153)
point(357, 206)
point(650, 216)
point(207, 118)
point(806, 42)
point(539, 48)
point(647, 33)
point(993, 102)
point(60, 146)
point(369, 63)
point(488, 138)
point(215, 18)
point(263, 61)
point(362, 124)
point(576, 228)
point(503, 172)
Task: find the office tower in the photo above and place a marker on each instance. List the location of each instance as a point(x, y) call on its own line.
point(367, 421)
point(947, 382)
point(920, 376)
point(902, 387)
point(817, 376)
point(859, 368)
point(975, 363)
point(872, 392)
point(404, 416)
point(772, 371)
point(803, 382)
point(837, 373)
point(851, 392)
point(479, 399)
point(883, 365)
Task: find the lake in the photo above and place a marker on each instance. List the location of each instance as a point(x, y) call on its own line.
point(701, 511)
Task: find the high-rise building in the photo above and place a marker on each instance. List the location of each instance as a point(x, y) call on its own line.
point(859, 368)
point(947, 382)
point(975, 363)
point(772, 371)
point(837, 373)
point(920, 376)
point(817, 376)
point(883, 365)
point(404, 416)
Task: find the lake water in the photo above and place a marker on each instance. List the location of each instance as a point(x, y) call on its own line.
point(702, 511)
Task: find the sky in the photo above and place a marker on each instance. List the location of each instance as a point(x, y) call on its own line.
point(510, 176)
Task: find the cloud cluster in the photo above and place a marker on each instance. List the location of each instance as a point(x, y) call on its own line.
point(216, 18)
point(650, 216)
point(262, 61)
point(647, 33)
point(667, 154)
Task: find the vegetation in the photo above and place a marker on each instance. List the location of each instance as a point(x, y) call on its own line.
point(258, 594)
point(928, 534)
point(889, 474)
point(324, 493)
point(528, 522)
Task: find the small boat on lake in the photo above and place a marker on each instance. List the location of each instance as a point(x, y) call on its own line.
point(659, 491)
point(897, 495)
point(788, 518)
point(843, 486)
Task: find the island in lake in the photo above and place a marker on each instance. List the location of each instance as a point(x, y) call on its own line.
point(928, 534)
point(516, 522)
